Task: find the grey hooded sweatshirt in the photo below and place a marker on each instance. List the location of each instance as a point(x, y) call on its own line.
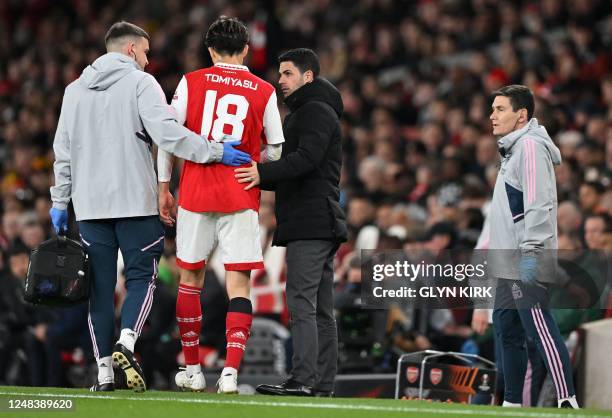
point(523, 214)
point(110, 117)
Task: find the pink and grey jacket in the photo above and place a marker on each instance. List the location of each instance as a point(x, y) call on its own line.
point(523, 213)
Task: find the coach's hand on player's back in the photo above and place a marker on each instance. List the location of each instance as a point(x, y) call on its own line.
point(232, 156)
point(248, 175)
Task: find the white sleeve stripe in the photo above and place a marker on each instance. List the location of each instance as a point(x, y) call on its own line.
point(273, 128)
point(179, 101)
point(272, 152)
point(164, 166)
point(179, 104)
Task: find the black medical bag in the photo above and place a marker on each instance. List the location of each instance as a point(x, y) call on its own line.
point(58, 274)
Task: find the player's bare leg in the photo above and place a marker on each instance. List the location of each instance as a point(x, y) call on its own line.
point(193, 278)
point(237, 327)
point(189, 318)
point(238, 284)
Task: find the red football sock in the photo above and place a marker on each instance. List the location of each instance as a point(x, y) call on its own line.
point(238, 327)
point(189, 318)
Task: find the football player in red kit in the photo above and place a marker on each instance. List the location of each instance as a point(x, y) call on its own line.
point(222, 103)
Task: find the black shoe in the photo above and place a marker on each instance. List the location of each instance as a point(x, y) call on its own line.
point(323, 393)
point(124, 359)
point(102, 387)
point(287, 388)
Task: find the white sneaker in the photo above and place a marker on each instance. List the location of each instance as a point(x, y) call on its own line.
point(194, 383)
point(228, 382)
point(570, 403)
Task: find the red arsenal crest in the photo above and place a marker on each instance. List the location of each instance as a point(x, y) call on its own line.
point(412, 373)
point(435, 375)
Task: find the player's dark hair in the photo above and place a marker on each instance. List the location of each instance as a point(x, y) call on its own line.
point(520, 97)
point(227, 36)
point(124, 29)
point(303, 58)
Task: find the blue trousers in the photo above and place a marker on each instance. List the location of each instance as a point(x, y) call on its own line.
point(141, 241)
point(520, 313)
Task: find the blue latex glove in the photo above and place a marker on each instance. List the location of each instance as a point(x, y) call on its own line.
point(59, 219)
point(528, 269)
point(232, 156)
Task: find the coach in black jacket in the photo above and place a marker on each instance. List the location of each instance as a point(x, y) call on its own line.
point(310, 222)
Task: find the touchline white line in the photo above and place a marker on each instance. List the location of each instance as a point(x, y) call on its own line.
point(498, 413)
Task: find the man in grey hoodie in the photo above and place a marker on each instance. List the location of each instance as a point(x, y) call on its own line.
point(523, 237)
point(109, 119)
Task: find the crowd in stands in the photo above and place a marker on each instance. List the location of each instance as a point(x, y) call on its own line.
point(419, 157)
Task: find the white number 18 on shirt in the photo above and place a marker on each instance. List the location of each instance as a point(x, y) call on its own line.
point(235, 120)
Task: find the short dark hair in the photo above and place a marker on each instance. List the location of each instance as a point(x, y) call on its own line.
point(603, 216)
point(227, 35)
point(303, 58)
point(123, 29)
point(595, 185)
point(520, 97)
point(18, 248)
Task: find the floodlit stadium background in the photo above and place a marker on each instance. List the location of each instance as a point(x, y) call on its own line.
point(419, 157)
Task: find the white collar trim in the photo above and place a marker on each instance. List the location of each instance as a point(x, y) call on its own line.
point(232, 66)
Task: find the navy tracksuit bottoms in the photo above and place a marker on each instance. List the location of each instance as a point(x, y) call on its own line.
point(521, 312)
point(141, 241)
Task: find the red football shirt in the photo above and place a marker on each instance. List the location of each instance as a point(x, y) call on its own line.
point(225, 103)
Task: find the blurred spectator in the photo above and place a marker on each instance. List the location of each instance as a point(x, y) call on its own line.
point(13, 311)
point(25, 322)
point(62, 330)
point(43, 333)
point(569, 218)
point(596, 230)
point(590, 196)
point(32, 233)
point(361, 212)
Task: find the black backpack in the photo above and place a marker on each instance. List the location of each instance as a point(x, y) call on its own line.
point(58, 274)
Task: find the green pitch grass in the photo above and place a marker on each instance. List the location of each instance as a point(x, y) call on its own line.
point(120, 404)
